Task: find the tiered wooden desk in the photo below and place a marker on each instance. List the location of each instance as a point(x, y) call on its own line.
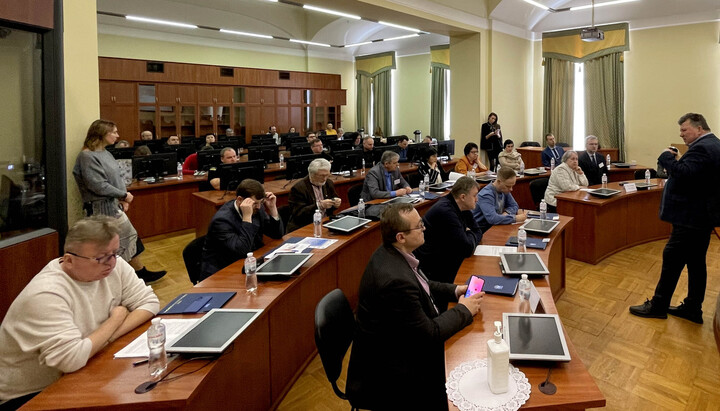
point(532, 156)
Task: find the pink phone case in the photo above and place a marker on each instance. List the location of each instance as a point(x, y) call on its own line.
point(475, 286)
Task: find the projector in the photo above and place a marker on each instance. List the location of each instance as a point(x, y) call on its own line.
point(592, 34)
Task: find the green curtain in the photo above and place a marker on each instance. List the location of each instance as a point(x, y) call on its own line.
point(382, 110)
point(604, 101)
point(558, 102)
point(363, 102)
point(438, 98)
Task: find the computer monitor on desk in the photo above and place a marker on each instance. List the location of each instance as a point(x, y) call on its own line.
point(268, 153)
point(340, 145)
point(124, 153)
point(347, 160)
point(299, 149)
point(153, 145)
point(292, 140)
point(297, 166)
point(182, 150)
point(378, 152)
point(446, 148)
point(207, 159)
point(232, 174)
point(414, 151)
point(154, 165)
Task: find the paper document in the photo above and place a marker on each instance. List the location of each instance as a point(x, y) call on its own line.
point(493, 250)
point(173, 329)
point(319, 243)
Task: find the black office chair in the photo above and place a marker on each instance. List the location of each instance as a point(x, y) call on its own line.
point(537, 190)
point(529, 144)
point(334, 328)
point(640, 174)
point(192, 255)
point(284, 212)
point(414, 179)
point(563, 144)
point(354, 194)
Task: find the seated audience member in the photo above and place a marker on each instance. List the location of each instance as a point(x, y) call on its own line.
point(291, 130)
point(430, 140)
point(229, 132)
point(368, 143)
point(509, 157)
point(429, 167)
point(340, 133)
point(397, 360)
point(70, 310)
point(142, 151)
point(238, 227)
point(357, 139)
point(227, 156)
point(317, 148)
point(329, 130)
point(272, 131)
point(551, 151)
point(378, 132)
point(209, 139)
point(146, 135)
point(310, 137)
point(313, 190)
point(384, 179)
point(173, 140)
point(471, 161)
point(190, 165)
point(452, 233)
point(122, 144)
point(403, 142)
point(592, 162)
point(495, 203)
point(568, 176)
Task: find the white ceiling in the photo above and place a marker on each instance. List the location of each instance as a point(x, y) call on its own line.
point(437, 18)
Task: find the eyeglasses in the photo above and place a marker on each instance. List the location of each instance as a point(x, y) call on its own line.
point(421, 226)
point(101, 260)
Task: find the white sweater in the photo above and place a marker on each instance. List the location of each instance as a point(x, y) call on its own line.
point(44, 333)
point(563, 179)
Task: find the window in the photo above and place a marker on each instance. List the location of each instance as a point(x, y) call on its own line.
point(579, 108)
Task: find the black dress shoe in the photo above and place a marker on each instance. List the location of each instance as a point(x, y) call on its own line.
point(647, 310)
point(150, 276)
point(683, 311)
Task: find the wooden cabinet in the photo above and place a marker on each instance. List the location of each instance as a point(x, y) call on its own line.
point(208, 95)
point(257, 95)
point(117, 104)
point(170, 94)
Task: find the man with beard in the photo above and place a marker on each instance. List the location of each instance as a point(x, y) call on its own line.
point(310, 192)
point(238, 227)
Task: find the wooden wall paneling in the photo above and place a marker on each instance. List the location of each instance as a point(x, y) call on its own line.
point(340, 97)
point(223, 94)
point(124, 118)
point(282, 96)
point(296, 96)
point(167, 94)
point(106, 96)
point(320, 98)
point(282, 118)
point(187, 94)
point(205, 74)
point(206, 95)
point(124, 92)
point(33, 12)
point(295, 118)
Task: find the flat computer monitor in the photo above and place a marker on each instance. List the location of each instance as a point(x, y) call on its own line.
point(262, 139)
point(267, 153)
point(347, 160)
point(340, 145)
point(297, 166)
point(378, 152)
point(446, 148)
point(299, 149)
point(187, 140)
point(125, 153)
point(182, 150)
point(292, 140)
point(154, 165)
point(153, 145)
point(414, 151)
point(392, 140)
point(232, 174)
point(207, 159)
point(284, 137)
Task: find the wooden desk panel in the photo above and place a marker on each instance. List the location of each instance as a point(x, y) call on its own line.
point(532, 156)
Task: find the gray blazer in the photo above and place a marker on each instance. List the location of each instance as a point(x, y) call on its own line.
point(374, 185)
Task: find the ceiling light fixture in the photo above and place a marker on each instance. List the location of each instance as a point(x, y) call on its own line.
point(242, 33)
point(536, 4)
point(384, 23)
point(312, 43)
point(163, 22)
point(607, 3)
point(358, 44)
point(402, 37)
point(333, 12)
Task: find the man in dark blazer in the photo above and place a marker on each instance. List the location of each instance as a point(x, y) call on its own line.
point(308, 192)
point(591, 162)
point(551, 151)
point(452, 233)
point(691, 203)
point(384, 180)
point(398, 360)
point(238, 227)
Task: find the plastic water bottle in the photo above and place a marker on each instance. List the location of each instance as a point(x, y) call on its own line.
point(421, 188)
point(317, 223)
point(524, 291)
point(471, 173)
point(179, 171)
point(552, 164)
point(604, 180)
point(522, 167)
point(543, 209)
point(157, 359)
point(647, 176)
point(607, 161)
point(522, 238)
point(363, 166)
point(282, 160)
point(497, 168)
point(250, 276)
point(361, 208)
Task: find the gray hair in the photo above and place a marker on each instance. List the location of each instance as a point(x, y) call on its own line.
point(98, 229)
point(590, 137)
point(317, 165)
point(389, 157)
point(567, 155)
point(367, 137)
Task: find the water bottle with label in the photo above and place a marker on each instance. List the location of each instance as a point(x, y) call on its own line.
point(647, 176)
point(471, 173)
point(363, 166)
point(522, 238)
point(543, 209)
point(522, 167)
point(361, 208)
point(179, 171)
point(524, 291)
point(607, 161)
point(157, 358)
point(281, 159)
point(421, 188)
point(317, 223)
point(552, 164)
point(604, 180)
point(251, 284)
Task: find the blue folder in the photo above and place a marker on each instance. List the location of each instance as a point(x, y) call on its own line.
point(499, 285)
point(190, 303)
point(531, 242)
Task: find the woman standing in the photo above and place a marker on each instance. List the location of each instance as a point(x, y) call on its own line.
point(509, 157)
point(103, 191)
point(491, 140)
point(568, 176)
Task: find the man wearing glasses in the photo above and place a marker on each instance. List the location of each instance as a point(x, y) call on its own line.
point(69, 311)
point(495, 203)
point(384, 179)
point(238, 227)
point(397, 359)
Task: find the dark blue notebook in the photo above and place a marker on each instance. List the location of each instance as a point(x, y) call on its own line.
point(500, 285)
point(190, 303)
point(529, 243)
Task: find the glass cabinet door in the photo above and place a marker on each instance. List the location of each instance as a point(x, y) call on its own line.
point(239, 121)
point(206, 120)
point(146, 93)
point(146, 117)
point(168, 124)
point(223, 119)
point(187, 120)
point(238, 95)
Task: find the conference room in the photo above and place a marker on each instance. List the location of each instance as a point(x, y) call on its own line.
point(442, 72)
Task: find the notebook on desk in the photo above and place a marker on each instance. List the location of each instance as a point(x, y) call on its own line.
point(190, 303)
point(529, 243)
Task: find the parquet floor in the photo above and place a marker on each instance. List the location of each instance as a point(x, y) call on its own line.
point(639, 364)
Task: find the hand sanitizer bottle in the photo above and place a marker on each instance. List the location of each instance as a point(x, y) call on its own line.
point(498, 362)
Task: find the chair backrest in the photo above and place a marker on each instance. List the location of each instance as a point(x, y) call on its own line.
point(334, 328)
point(529, 144)
point(640, 174)
point(563, 144)
point(414, 179)
point(354, 194)
point(284, 212)
point(192, 255)
point(537, 190)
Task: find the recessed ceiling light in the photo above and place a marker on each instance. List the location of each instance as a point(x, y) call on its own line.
point(242, 33)
point(312, 43)
point(163, 22)
point(333, 12)
point(399, 26)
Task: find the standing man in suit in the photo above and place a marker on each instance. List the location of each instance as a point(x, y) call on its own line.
point(591, 162)
point(397, 359)
point(691, 203)
point(551, 151)
point(238, 227)
point(313, 190)
point(384, 180)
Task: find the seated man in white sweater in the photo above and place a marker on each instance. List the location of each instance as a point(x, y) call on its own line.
point(69, 311)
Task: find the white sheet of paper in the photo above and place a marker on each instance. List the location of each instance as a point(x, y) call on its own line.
point(493, 250)
point(319, 243)
point(534, 298)
point(173, 329)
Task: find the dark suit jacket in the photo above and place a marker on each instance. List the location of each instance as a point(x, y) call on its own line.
point(692, 193)
point(547, 154)
point(592, 171)
point(397, 360)
point(302, 202)
point(374, 185)
point(229, 239)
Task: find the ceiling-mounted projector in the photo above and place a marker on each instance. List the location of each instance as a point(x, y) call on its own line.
point(592, 34)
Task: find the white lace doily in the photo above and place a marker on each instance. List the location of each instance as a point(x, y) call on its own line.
point(468, 389)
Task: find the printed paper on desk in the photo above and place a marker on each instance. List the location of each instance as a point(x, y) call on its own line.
point(630, 187)
point(319, 243)
point(174, 328)
point(493, 250)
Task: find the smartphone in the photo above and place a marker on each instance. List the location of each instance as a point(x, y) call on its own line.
point(475, 286)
